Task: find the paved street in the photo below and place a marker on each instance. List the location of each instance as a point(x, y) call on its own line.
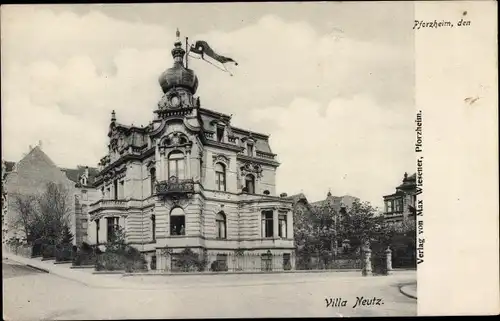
point(31, 295)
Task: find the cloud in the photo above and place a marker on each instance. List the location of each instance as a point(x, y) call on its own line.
point(357, 147)
point(63, 73)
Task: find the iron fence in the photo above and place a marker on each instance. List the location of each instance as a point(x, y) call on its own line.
point(248, 262)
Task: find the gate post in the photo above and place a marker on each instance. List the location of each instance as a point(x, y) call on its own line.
point(388, 257)
point(367, 266)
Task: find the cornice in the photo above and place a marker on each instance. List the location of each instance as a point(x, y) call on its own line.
point(246, 158)
point(124, 159)
point(222, 145)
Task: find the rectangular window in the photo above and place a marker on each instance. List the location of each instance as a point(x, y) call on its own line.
point(176, 168)
point(85, 224)
point(121, 190)
point(85, 196)
point(108, 195)
point(97, 231)
point(220, 134)
point(250, 184)
point(250, 149)
point(389, 206)
point(115, 189)
point(112, 225)
point(282, 226)
point(153, 226)
point(399, 205)
point(221, 229)
point(220, 181)
point(267, 224)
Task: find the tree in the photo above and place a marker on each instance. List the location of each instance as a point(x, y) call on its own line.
point(67, 236)
point(361, 225)
point(44, 217)
point(25, 206)
point(316, 232)
point(54, 205)
point(117, 240)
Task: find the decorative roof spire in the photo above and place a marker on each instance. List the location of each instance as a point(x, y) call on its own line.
point(329, 192)
point(113, 116)
point(178, 52)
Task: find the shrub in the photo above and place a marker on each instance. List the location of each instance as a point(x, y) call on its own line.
point(37, 248)
point(127, 258)
point(217, 266)
point(64, 252)
point(48, 251)
point(86, 255)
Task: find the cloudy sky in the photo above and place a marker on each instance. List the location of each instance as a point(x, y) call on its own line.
point(332, 83)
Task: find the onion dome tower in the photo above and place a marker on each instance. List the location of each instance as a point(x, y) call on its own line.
point(178, 83)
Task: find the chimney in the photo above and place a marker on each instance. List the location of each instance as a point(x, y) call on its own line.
point(30, 148)
point(86, 171)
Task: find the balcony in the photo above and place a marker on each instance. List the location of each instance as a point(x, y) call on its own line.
point(264, 155)
point(108, 205)
point(175, 186)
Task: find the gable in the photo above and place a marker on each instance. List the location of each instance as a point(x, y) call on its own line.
point(33, 173)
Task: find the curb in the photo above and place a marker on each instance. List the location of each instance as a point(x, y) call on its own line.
point(37, 268)
point(238, 272)
point(407, 293)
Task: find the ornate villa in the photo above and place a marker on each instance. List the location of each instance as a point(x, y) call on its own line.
point(190, 179)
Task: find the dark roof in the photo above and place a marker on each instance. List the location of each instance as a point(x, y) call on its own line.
point(297, 198)
point(409, 183)
point(74, 174)
point(261, 140)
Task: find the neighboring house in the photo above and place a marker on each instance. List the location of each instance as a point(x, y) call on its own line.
point(400, 205)
point(30, 176)
point(340, 204)
point(301, 205)
point(191, 180)
point(83, 177)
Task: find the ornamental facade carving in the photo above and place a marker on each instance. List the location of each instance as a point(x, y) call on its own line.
point(176, 99)
point(221, 158)
point(116, 173)
point(251, 168)
point(175, 140)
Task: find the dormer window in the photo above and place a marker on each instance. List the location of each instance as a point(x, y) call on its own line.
point(220, 133)
point(83, 180)
point(249, 149)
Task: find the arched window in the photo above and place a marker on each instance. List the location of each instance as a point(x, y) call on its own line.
point(177, 222)
point(152, 175)
point(220, 220)
point(250, 184)
point(220, 177)
point(176, 165)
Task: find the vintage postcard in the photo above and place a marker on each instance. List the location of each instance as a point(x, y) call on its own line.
point(241, 160)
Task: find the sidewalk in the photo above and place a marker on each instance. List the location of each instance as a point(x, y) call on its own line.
point(64, 271)
point(154, 281)
point(410, 290)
